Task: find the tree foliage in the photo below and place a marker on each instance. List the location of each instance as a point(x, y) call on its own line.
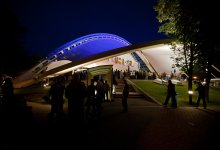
point(14, 57)
point(191, 24)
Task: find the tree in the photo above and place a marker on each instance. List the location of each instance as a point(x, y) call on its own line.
point(14, 57)
point(208, 37)
point(177, 24)
point(191, 24)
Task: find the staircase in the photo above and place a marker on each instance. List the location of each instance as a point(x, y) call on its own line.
point(143, 66)
point(132, 92)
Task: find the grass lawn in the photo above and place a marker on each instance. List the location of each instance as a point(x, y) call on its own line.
point(33, 93)
point(158, 91)
point(33, 89)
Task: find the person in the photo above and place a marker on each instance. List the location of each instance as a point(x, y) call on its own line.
point(7, 92)
point(99, 97)
point(56, 94)
point(171, 93)
point(75, 93)
point(115, 83)
point(106, 90)
point(11, 101)
point(201, 92)
point(91, 101)
point(14, 106)
point(125, 94)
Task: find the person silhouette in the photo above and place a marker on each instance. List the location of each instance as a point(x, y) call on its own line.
point(7, 92)
point(56, 94)
point(91, 109)
point(106, 90)
point(99, 97)
point(14, 106)
point(171, 93)
point(75, 92)
point(125, 94)
point(115, 83)
point(201, 92)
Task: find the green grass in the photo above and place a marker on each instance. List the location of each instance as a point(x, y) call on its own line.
point(34, 89)
point(34, 92)
point(158, 91)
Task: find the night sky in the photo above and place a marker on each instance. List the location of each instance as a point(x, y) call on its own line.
point(52, 23)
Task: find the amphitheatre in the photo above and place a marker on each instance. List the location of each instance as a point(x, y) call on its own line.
point(101, 49)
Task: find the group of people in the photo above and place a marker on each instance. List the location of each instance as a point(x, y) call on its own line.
point(79, 96)
point(96, 93)
point(75, 92)
point(171, 94)
point(83, 102)
point(134, 74)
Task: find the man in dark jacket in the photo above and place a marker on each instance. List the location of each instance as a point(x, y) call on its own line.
point(201, 91)
point(171, 93)
point(75, 92)
point(56, 94)
point(125, 94)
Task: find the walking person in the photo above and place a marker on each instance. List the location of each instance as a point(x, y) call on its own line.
point(125, 94)
point(201, 92)
point(171, 93)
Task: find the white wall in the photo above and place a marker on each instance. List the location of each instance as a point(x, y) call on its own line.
point(120, 63)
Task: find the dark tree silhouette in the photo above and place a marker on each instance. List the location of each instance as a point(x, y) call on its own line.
point(194, 25)
point(14, 57)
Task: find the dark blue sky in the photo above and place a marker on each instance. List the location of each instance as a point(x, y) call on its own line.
point(52, 23)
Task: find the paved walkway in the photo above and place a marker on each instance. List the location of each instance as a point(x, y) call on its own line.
point(146, 126)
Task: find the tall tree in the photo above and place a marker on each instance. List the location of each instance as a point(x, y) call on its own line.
point(192, 24)
point(208, 37)
point(14, 57)
point(177, 24)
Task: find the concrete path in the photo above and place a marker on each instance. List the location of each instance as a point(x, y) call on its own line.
point(146, 126)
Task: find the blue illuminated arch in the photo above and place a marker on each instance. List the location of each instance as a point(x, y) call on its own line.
point(87, 46)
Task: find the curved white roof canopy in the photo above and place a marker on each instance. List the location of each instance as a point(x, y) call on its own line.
point(101, 47)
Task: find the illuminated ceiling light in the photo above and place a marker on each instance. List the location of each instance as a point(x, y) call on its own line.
point(68, 48)
point(60, 53)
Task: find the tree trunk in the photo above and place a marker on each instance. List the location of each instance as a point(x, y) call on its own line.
point(190, 88)
point(208, 76)
point(190, 74)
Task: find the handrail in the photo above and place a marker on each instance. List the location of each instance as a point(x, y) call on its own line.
point(215, 68)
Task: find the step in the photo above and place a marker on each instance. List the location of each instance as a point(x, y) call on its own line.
point(131, 94)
